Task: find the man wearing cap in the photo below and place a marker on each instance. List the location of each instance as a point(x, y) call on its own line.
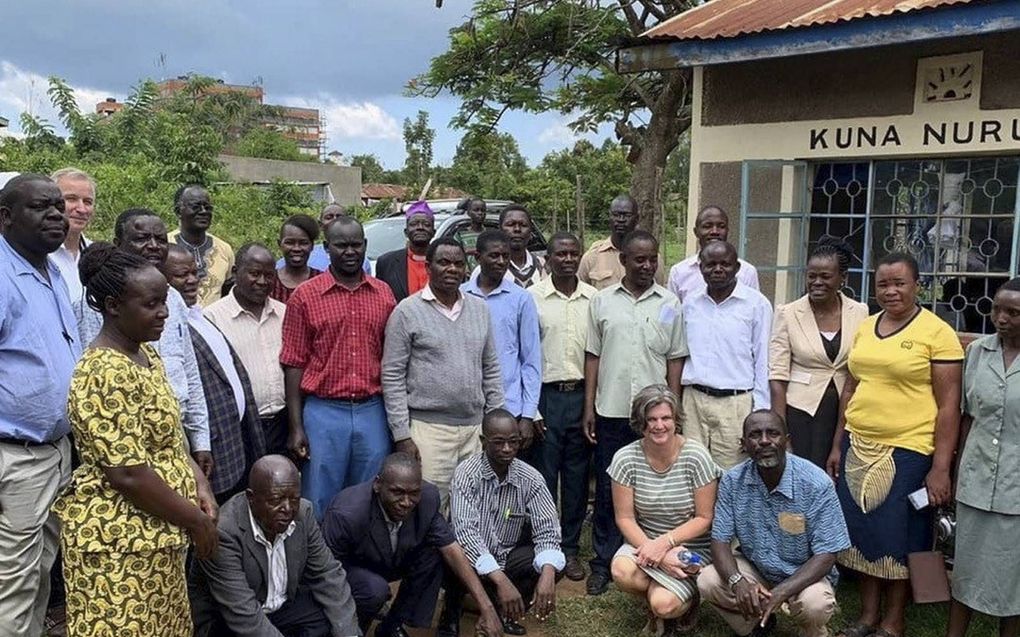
point(405, 270)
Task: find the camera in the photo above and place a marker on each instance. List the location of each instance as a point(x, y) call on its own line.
point(945, 533)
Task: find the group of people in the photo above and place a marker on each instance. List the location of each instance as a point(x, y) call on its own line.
point(313, 433)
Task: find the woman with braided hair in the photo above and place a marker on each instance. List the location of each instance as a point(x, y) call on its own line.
point(137, 497)
point(811, 340)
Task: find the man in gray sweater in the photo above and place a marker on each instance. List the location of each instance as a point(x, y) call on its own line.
point(440, 370)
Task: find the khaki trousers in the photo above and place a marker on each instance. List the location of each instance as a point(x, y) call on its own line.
point(717, 423)
point(30, 480)
point(442, 448)
point(811, 609)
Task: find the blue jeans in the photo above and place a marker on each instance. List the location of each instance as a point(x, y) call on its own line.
point(347, 443)
point(562, 458)
point(611, 435)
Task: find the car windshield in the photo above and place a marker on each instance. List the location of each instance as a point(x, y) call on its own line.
point(384, 235)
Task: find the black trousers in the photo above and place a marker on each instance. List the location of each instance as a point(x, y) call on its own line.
point(275, 428)
point(298, 617)
point(612, 434)
point(519, 570)
point(420, 575)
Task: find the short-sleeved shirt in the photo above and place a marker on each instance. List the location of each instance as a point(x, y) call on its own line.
point(780, 530)
point(664, 501)
point(895, 371)
point(633, 338)
point(685, 278)
point(39, 346)
point(336, 335)
point(600, 266)
point(122, 415)
point(990, 465)
point(563, 326)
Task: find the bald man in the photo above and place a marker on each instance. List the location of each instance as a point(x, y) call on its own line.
point(319, 258)
point(273, 575)
point(253, 324)
point(601, 265)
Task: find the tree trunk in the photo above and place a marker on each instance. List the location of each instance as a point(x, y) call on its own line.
point(651, 145)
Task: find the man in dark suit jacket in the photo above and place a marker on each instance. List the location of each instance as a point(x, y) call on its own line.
point(235, 430)
point(391, 529)
point(404, 270)
point(273, 575)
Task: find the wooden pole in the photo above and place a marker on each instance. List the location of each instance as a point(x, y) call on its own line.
point(579, 205)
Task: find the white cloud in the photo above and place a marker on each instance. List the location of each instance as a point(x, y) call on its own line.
point(24, 91)
point(558, 134)
point(349, 120)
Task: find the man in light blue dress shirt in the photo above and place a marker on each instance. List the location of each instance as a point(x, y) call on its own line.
point(39, 347)
point(726, 377)
point(514, 318)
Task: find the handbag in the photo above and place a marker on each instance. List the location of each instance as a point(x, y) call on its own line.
point(929, 581)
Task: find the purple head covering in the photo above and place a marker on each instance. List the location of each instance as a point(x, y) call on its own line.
point(419, 208)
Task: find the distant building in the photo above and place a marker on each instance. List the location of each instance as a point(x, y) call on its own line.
point(302, 125)
point(108, 107)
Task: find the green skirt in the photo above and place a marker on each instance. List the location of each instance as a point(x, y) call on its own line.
point(985, 576)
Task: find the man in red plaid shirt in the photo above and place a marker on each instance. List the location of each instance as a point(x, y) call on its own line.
point(332, 350)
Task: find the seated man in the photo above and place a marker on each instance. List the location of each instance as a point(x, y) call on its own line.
point(790, 529)
point(390, 529)
point(273, 575)
point(506, 520)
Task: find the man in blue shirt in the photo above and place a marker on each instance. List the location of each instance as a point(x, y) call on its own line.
point(790, 529)
point(38, 351)
point(515, 325)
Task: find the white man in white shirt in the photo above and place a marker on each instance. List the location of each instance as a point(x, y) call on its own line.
point(726, 377)
point(711, 224)
point(79, 191)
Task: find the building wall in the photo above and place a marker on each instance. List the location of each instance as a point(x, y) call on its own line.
point(344, 181)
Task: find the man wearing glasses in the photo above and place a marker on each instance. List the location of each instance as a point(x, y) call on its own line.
point(214, 256)
point(601, 266)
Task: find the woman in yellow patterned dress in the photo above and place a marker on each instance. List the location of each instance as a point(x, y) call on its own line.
point(133, 502)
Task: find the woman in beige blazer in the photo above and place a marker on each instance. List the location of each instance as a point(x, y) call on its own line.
point(811, 339)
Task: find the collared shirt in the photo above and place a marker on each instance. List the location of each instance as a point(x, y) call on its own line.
point(730, 342)
point(336, 335)
point(276, 562)
point(563, 326)
point(68, 264)
point(685, 278)
point(990, 464)
point(392, 528)
point(515, 325)
point(257, 341)
point(319, 260)
point(449, 312)
point(221, 350)
point(600, 266)
point(488, 515)
point(178, 354)
point(417, 272)
point(39, 347)
point(215, 260)
point(780, 530)
point(633, 338)
point(531, 273)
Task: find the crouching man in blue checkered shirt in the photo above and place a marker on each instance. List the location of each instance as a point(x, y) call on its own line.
point(790, 529)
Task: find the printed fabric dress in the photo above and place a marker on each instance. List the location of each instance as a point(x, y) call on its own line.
point(123, 567)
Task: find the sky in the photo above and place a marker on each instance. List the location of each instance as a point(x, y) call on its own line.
point(349, 58)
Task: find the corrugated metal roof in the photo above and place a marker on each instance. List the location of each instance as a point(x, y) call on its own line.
point(729, 18)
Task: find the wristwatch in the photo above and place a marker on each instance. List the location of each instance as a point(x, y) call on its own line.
point(732, 581)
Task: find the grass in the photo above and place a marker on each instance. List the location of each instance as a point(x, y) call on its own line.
point(616, 614)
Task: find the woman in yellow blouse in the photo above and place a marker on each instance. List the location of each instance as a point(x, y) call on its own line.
point(134, 501)
point(897, 433)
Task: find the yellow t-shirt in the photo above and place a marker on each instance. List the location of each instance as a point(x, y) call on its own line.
point(894, 404)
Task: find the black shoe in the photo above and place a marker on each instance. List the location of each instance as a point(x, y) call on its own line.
point(574, 570)
point(382, 630)
point(449, 622)
point(597, 583)
point(510, 627)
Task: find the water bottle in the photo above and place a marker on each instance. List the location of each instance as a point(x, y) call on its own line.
point(690, 562)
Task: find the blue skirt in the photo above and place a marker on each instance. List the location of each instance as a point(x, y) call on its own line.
point(881, 539)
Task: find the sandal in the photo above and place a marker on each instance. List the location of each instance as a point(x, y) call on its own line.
point(860, 630)
point(687, 622)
